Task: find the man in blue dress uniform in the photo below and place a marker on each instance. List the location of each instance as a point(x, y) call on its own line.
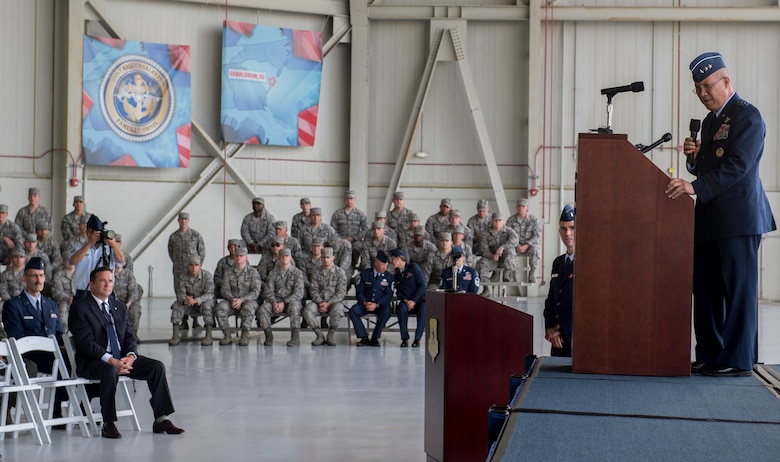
point(467, 277)
point(558, 305)
point(732, 212)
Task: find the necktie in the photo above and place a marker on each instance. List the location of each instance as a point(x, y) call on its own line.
point(40, 311)
point(116, 351)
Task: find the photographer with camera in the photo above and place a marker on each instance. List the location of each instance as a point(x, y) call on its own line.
point(100, 250)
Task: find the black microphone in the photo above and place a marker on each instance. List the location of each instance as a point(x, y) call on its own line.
point(695, 127)
point(664, 139)
point(635, 87)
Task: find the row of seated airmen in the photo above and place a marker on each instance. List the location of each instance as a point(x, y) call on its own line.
point(353, 242)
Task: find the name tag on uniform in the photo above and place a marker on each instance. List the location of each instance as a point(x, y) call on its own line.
point(467, 277)
point(29, 317)
point(54, 315)
point(383, 283)
point(554, 275)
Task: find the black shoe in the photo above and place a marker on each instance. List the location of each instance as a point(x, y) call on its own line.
point(697, 366)
point(416, 344)
point(166, 426)
point(714, 370)
point(404, 344)
point(363, 342)
point(374, 343)
point(110, 430)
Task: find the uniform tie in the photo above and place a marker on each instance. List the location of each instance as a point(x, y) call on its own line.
point(113, 341)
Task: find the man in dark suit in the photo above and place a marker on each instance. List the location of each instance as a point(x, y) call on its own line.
point(732, 212)
point(106, 349)
point(410, 291)
point(374, 292)
point(558, 305)
point(467, 277)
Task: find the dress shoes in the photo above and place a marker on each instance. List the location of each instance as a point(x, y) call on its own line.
point(374, 342)
point(166, 426)
point(404, 344)
point(363, 342)
point(714, 370)
point(110, 430)
point(416, 344)
point(697, 366)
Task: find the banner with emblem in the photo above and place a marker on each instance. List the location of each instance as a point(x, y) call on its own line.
point(270, 84)
point(136, 104)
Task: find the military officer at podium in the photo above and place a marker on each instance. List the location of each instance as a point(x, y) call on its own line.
point(558, 305)
point(732, 212)
point(467, 277)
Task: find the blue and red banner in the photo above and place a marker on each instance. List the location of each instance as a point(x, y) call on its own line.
point(136, 104)
point(270, 84)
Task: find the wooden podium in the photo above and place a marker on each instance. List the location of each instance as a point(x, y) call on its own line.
point(473, 345)
point(634, 264)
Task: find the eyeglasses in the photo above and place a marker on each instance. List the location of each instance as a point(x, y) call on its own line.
point(699, 89)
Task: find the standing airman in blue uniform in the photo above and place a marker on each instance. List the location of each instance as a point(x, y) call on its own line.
point(558, 305)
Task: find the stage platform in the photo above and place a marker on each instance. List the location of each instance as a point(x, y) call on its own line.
point(561, 416)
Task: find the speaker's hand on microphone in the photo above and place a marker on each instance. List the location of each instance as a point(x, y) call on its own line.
point(691, 147)
point(677, 187)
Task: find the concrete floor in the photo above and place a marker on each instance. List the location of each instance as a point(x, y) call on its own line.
point(276, 403)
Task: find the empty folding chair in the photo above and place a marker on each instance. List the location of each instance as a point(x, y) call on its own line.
point(60, 377)
point(26, 404)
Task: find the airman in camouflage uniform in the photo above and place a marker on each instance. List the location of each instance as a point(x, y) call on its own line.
point(327, 291)
point(63, 291)
point(126, 291)
point(456, 219)
point(498, 248)
point(72, 245)
point(182, 244)
point(225, 262)
point(351, 224)
point(342, 251)
point(283, 294)
point(378, 241)
point(300, 219)
point(194, 296)
point(241, 287)
point(438, 261)
point(381, 215)
point(11, 283)
point(406, 237)
point(270, 258)
point(31, 250)
point(48, 245)
point(479, 223)
point(32, 213)
point(420, 249)
point(457, 239)
point(529, 232)
point(10, 236)
point(69, 227)
point(257, 228)
point(439, 222)
point(317, 229)
point(398, 217)
point(280, 229)
point(128, 264)
point(312, 263)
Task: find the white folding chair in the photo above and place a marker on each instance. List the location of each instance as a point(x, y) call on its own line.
point(26, 404)
point(59, 378)
point(123, 389)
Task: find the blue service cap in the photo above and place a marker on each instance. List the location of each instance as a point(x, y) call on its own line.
point(568, 213)
point(35, 263)
point(381, 256)
point(94, 223)
point(398, 253)
point(705, 64)
point(457, 251)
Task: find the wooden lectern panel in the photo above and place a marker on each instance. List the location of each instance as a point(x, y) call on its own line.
point(634, 264)
point(480, 343)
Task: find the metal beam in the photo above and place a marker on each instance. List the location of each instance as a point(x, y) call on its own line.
point(322, 7)
point(359, 105)
point(667, 14)
point(426, 13)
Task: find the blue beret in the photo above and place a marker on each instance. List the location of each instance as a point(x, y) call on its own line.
point(398, 253)
point(381, 256)
point(35, 263)
point(457, 251)
point(94, 223)
point(568, 213)
point(705, 64)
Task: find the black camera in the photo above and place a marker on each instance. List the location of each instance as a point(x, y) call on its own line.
point(106, 233)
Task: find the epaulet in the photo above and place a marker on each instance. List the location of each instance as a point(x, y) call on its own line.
point(743, 104)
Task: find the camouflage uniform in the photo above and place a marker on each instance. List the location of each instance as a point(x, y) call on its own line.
point(310, 266)
point(436, 264)
point(222, 265)
point(326, 286)
point(436, 224)
point(69, 227)
point(11, 285)
point(27, 219)
point(63, 291)
point(52, 250)
point(389, 232)
point(244, 284)
point(180, 247)
point(342, 250)
point(370, 249)
point(300, 220)
point(323, 231)
point(420, 255)
point(478, 226)
point(295, 247)
point(201, 288)
point(283, 286)
point(529, 231)
point(490, 243)
point(126, 291)
point(399, 221)
point(351, 224)
point(12, 231)
point(71, 246)
point(258, 230)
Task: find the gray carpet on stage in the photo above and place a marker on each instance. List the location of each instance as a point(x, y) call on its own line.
point(565, 416)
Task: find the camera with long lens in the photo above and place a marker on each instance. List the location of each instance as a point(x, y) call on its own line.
point(106, 233)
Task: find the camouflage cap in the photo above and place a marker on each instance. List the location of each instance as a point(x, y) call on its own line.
point(327, 252)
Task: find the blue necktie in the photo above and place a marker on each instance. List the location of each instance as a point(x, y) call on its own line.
point(116, 351)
